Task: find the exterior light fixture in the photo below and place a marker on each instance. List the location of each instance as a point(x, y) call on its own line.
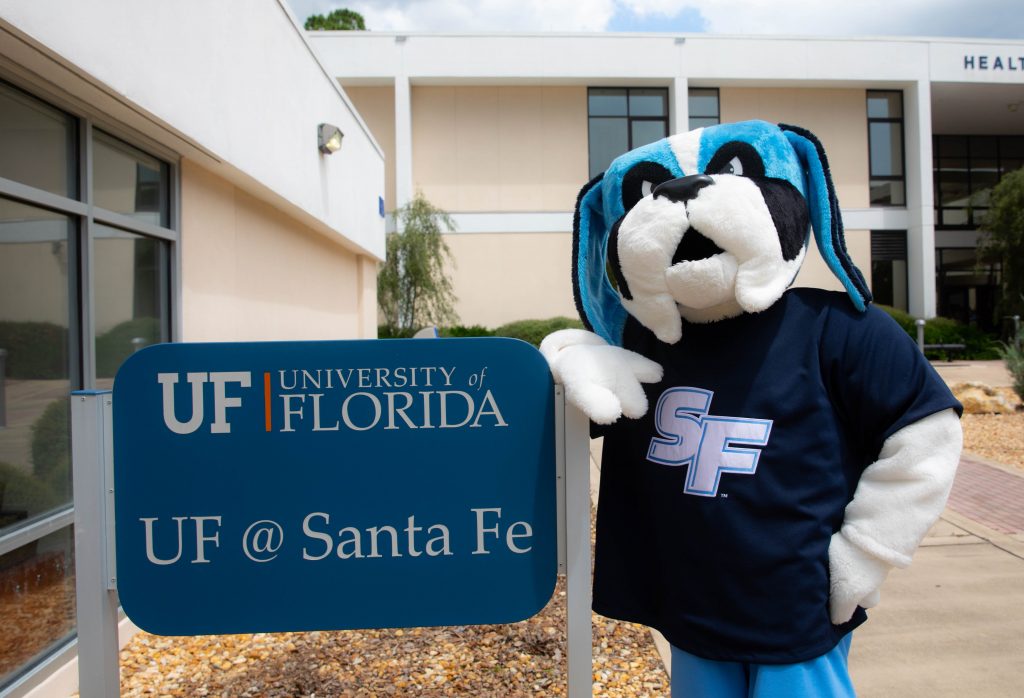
point(329, 138)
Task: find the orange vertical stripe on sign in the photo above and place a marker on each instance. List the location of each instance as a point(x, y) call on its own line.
point(266, 400)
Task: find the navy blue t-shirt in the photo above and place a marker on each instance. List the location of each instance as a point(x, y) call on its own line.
point(717, 507)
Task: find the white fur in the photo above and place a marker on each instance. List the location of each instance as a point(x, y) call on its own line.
point(686, 148)
point(898, 499)
point(648, 237)
point(602, 380)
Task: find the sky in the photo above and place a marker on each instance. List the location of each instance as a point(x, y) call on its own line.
point(996, 19)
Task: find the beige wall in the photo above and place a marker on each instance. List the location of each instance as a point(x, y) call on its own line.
point(500, 148)
point(504, 277)
point(839, 119)
point(377, 107)
point(251, 273)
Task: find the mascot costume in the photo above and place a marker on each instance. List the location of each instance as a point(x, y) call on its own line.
point(769, 453)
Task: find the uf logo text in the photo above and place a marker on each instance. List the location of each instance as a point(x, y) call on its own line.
point(221, 400)
point(710, 445)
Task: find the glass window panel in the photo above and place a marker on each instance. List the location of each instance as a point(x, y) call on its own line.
point(952, 146)
point(127, 181)
point(1008, 165)
point(609, 138)
point(35, 457)
point(983, 147)
point(37, 144)
point(130, 296)
point(651, 102)
point(954, 216)
point(645, 132)
point(1011, 146)
point(37, 600)
point(886, 149)
point(885, 105)
point(605, 101)
point(953, 164)
point(887, 193)
point(702, 122)
point(953, 189)
point(979, 212)
point(703, 103)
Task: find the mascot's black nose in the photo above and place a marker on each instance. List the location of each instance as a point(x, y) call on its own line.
point(682, 189)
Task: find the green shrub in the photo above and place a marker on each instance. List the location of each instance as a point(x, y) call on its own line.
point(466, 331)
point(533, 331)
point(24, 493)
point(51, 447)
point(978, 345)
point(1013, 356)
point(35, 350)
point(115, 345)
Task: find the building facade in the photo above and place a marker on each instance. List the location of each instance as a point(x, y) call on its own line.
point(160, 180)
point(503, 130)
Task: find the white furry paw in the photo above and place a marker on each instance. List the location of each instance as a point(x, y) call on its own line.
point(602, 380)
point(855, 578)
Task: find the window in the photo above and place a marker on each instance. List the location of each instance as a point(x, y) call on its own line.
point(885, 148)
point(623, 118)
point(703, 107)
point(83, 283)
point(889, 268)
point(966, 168)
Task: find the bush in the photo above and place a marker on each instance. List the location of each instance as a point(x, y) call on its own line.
point(533, 331)
point(51, 447)
point(23, 493)
point(978, 345)
point(466, 331)
point(35, 350)
point(1013, 356)
point(115, 345)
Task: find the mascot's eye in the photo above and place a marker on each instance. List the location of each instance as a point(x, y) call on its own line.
point(640, 180)
point(736, 158)
point(733, 167)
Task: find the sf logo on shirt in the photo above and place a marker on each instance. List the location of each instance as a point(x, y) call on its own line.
point(710, 445)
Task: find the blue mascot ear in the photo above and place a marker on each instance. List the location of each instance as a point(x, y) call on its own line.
point(596, 300)
point(825, 217)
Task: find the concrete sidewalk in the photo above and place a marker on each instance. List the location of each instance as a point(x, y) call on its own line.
point(952, 624)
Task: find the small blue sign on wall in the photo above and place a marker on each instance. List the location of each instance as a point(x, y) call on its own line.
point(291, 486)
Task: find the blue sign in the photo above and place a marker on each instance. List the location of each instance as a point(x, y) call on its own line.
point(294, 486)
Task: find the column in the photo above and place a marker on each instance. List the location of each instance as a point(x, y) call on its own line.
point(917, 128)
point(403, 141)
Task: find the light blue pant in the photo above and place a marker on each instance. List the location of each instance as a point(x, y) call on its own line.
point(823, 677)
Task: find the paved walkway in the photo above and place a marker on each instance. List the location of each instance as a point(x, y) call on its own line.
point(988, 494)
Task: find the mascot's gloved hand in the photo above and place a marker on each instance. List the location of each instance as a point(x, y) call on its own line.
point(601, 379)
point(898, 499)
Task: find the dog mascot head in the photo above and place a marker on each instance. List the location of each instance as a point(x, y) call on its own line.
point(704, 226)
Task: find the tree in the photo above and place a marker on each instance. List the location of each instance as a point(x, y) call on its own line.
point(1004, 242)
point(413, 288)
point(343, 19)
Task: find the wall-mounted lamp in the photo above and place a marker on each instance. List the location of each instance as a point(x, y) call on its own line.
point(328, 138)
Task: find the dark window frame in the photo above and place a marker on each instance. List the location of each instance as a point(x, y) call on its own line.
point(629, 119)
point(717, 116)
point(971, 211)
point(903, 147)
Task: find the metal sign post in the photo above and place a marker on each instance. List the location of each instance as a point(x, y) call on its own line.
point(92, 454)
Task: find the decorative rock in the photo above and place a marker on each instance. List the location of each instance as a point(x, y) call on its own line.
point(979, 398)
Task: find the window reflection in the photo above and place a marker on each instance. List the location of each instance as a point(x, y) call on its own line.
point(620, 119)
point(127, 181)
point(130, 292)
point(35, 475)
point(37, 599)
point(37, 144)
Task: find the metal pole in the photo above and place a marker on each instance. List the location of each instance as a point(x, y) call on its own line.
point(920, 334)
point(3, 388)
point(577, 532)
point(92, 466)
point(1016, 331)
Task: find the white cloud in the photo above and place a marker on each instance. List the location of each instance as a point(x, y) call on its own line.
point(974, 18)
